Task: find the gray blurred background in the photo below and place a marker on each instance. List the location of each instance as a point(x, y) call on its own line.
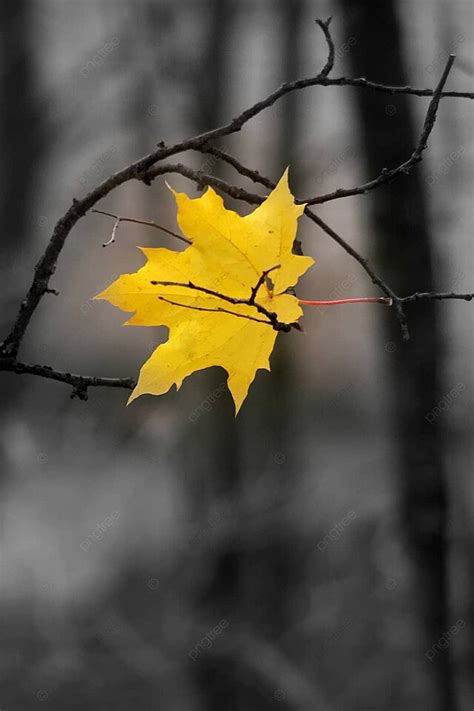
point(316, 552)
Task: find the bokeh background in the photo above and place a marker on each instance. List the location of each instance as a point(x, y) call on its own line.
point(316, 552)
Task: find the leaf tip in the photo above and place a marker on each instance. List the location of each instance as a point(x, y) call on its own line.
point(133, 396)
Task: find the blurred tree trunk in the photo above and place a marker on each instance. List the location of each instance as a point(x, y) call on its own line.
point(272, 569)
point(127, 610)
point(254, 568)
point(216, 446)
point(22, 139)
point(405, 251)
point(21, 132)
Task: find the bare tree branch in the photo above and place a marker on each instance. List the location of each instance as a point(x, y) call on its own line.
point(202, 180)
point(367, 268)
point(79, 383)
point(419, 296)
point(145, 169)
point(324, 25)
point(387, 176)
point(242, 169)
point(364, 83)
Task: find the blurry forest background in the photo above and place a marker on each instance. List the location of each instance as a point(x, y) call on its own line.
point(129, 534)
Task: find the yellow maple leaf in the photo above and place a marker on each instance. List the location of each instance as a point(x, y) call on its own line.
point(223, 298)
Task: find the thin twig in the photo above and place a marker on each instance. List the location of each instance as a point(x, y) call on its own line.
point(217, 309)
point(261, 280)
point(363, 83)
point(418, 296)
point(114, 232)
point(324, 25)
point(239, 167)
point(148, 223)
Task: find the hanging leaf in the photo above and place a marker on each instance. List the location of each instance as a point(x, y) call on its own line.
point(223, 298)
